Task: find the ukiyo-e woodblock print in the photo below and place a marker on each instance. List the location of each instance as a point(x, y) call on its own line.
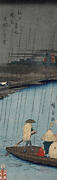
point(28, 90)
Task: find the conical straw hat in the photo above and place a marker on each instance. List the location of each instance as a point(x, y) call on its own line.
point(30, 121)
point(48, 136)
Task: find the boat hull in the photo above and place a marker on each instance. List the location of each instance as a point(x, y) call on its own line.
point(30, 154)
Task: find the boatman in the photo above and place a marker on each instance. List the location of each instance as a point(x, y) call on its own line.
point(28, 131)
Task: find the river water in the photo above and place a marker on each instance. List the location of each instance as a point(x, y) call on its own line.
point(40, 104)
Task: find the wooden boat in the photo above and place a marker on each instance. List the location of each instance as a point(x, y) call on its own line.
point(31, 155)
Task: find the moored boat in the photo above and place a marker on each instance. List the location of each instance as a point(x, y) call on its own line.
point(30, 154)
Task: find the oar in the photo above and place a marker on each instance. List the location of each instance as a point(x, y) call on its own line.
point(19, 142)
point(13, 146)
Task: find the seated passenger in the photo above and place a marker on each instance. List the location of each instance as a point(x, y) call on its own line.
point(48, 138)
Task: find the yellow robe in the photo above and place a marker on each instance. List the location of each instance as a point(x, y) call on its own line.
point(27, 131)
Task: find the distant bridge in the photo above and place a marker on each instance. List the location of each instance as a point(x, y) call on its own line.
point(30, 53)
